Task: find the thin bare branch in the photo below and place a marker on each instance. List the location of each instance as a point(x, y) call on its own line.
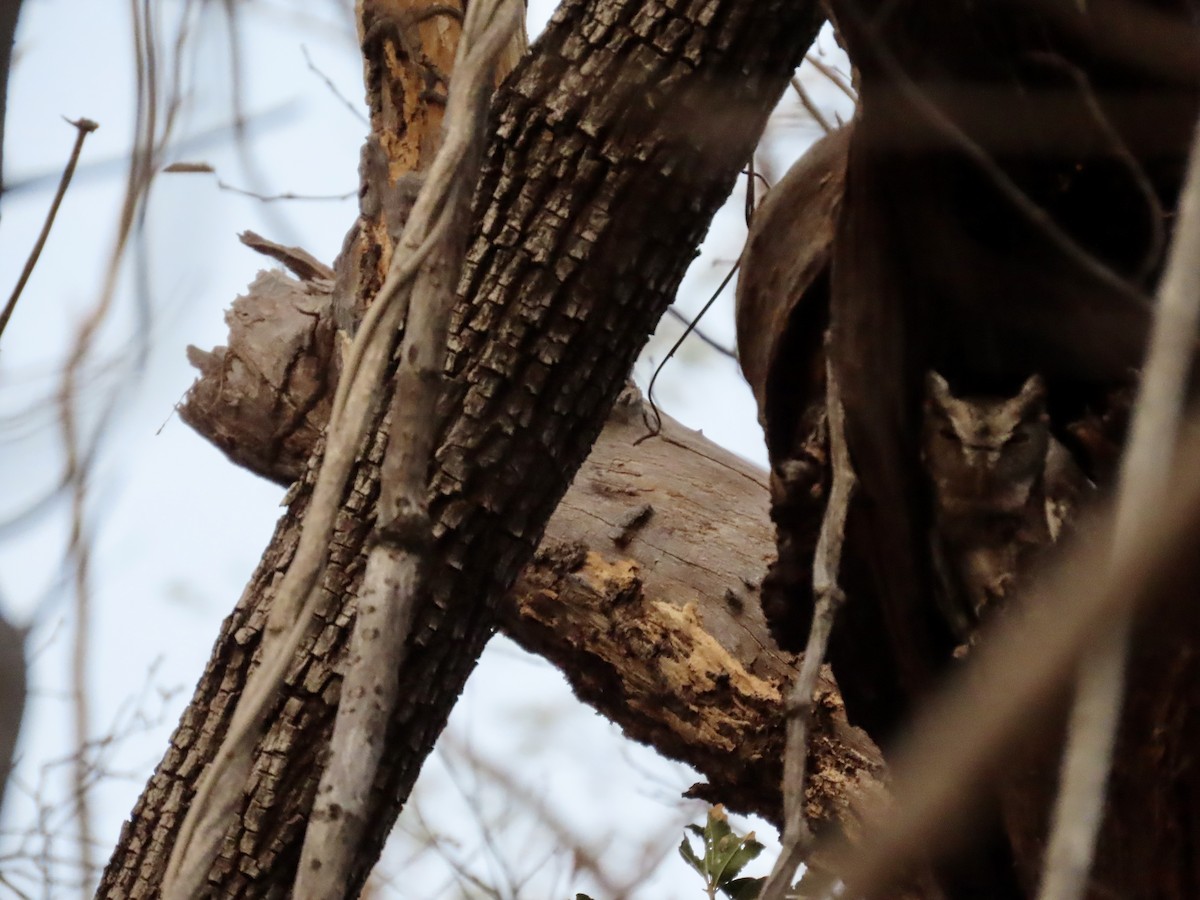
point(333, 89)
point(836, 78)
point(203, 168)
point(149, 137)
point(695, 329)
point(286, 195)
point(797, 836)
point(566, 840)
point(1145, 484)
point(810, 107)
point(83, 127)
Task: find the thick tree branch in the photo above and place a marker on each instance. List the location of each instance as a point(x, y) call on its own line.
point(596, 190)
point(393, 582)
point(645, 600)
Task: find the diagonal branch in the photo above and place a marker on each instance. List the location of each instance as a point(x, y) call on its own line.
point(353, 406)
point(632, 557)
point(1145, 485)
point(392, 584)
point(597, 187)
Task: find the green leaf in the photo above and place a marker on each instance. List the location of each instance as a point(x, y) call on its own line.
point(718, 838)
point(723, 851)
point(690, 857)
point(726, 853)
point(747, 850)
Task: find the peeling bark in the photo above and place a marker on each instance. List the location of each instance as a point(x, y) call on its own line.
point(666, 637)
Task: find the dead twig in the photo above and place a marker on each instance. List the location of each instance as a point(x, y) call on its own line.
point(810, 107)
point(83, 127)
point(333, 89)
point(835, 77)
point(797, 837)
point(1145, 484)
point(299, 261)
point(203, 168)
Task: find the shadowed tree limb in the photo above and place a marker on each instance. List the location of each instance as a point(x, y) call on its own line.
point(1147, 472)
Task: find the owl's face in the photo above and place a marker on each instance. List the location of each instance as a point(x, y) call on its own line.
point(985, 451)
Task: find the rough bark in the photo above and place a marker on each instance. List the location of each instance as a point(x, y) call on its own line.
point(648, 603)
point(645, 600)
point(595, 192)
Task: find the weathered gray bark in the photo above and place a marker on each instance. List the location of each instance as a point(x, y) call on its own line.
point(660, 629)
point(646, 600)
point(596, 190)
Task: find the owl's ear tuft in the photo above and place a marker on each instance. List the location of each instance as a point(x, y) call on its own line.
point(1033, 391)
point(937, 388)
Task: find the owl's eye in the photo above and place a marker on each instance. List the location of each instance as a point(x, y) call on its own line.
point(948, 433)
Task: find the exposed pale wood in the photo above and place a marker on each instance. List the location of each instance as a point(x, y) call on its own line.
point(655, 552)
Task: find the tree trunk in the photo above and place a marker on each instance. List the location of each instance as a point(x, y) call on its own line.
point(595, 192)
point(1010, 183)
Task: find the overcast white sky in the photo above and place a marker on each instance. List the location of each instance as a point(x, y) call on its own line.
point(176, 529)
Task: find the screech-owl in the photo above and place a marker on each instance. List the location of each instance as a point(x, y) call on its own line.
point(1002, 489)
